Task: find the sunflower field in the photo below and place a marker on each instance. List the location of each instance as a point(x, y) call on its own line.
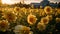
point(30, 21)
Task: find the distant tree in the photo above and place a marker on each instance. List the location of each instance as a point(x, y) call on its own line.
point(56, 3)
point(59, 5)
point(48, 4)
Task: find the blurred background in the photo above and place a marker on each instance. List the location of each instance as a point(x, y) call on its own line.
point(36, 3)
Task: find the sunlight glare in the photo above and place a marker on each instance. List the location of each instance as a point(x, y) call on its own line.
point(8, 2)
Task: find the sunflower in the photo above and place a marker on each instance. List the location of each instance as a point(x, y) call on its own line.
point(30, 10)
point(35, 10)
point(1, 11)
point(17, 8)
point(41, 13)
point(58, 11)
point(31, 19)
point(20, 29)
point(10, 9)
point(26, 30)
point(57, 20)
point(48, 10)
point(49, 17)
point(45, 20)
point(31, 32)
point(10, 16)
point(41, 26)
point(4, 25)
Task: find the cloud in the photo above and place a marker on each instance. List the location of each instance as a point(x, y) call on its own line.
point(54, 0)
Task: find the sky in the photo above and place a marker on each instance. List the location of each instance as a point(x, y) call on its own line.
point(54, 1)
point(25, 1)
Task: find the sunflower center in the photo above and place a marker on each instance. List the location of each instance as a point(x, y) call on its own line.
point(3, 24)
point(44, 20)
point(48, 9)
point(31, 20)
point(17, 9)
